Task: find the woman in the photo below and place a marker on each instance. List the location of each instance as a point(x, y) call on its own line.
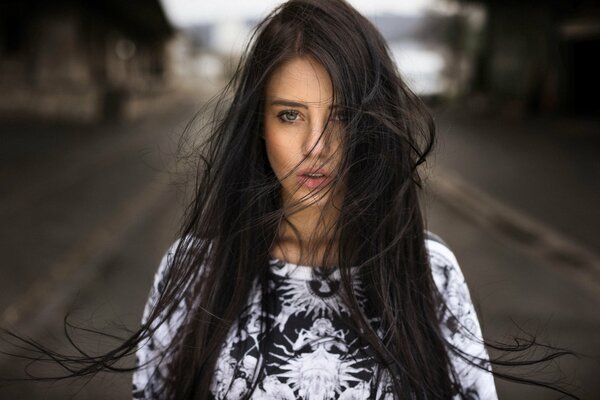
point(304, 270)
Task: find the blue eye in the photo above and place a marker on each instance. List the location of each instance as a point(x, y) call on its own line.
point(283, 116)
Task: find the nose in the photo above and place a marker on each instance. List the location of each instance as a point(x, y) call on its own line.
point(317, 140)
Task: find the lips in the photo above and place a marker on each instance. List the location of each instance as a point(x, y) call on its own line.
point(313, 178)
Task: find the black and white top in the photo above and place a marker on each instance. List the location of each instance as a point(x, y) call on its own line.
point(311, 353)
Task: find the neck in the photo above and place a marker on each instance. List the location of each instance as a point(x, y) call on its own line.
point(303, 236)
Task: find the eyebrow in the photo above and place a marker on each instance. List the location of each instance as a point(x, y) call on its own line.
point(290, 103)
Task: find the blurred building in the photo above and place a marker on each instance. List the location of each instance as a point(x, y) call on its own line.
point(420, 63)
point(214, 48)
point(217, 46)
point(540, 56)
point(80, 59)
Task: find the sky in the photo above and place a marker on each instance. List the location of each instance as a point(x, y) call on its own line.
point(189, 12)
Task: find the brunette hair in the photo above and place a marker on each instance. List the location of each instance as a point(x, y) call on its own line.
point(233, 220)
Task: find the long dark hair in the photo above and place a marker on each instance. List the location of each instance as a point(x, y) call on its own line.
point(387, 135)
point(235, 216)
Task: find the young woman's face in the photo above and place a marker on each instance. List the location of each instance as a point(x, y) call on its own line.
point(298, 100)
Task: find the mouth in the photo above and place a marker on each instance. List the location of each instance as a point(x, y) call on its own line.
point(313, 178)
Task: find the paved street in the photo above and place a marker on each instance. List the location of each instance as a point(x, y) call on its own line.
point(88, 212)
point(519, 208)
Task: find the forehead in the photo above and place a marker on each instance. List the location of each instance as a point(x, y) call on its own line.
point(301, 79)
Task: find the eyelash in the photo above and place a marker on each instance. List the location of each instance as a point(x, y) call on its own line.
point(285, 112)
point(296, 114)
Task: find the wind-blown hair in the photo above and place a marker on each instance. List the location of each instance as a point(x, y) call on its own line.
point(233, 220)
point(386, 136)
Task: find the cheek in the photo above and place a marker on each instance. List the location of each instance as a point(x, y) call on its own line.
point(281, 144)
point(277, 151)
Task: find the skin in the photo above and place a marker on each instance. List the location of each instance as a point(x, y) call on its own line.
point(294, 137)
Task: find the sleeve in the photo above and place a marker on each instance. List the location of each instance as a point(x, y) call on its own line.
point(459, 324)
point(151, 359)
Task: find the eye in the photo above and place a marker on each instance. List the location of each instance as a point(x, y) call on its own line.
point(339, 116)
point(288, 116)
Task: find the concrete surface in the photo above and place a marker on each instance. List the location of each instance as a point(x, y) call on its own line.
point(88, 211)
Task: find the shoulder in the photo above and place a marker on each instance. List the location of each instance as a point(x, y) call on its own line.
point(438, 250)
point(185, 244)
point(450, 281)
point(459, 322)
point(430, 236)
point(182, 245)
point(166, 261)
point(152, 353)
point(444, 265)
point(457, 308)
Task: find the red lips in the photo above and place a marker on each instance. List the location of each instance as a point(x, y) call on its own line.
point(313, 178)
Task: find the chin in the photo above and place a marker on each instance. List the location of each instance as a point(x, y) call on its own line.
point(314, 200)
point(305, 199)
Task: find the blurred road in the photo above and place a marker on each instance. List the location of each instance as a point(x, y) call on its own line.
point(88, 212)
point(518, 203)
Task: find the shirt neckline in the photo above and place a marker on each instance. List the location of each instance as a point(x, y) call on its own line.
point(288, 269)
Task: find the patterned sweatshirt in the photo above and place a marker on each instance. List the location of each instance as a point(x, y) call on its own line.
point(310, 352)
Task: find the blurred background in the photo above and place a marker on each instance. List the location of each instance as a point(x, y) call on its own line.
point(94, 96)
